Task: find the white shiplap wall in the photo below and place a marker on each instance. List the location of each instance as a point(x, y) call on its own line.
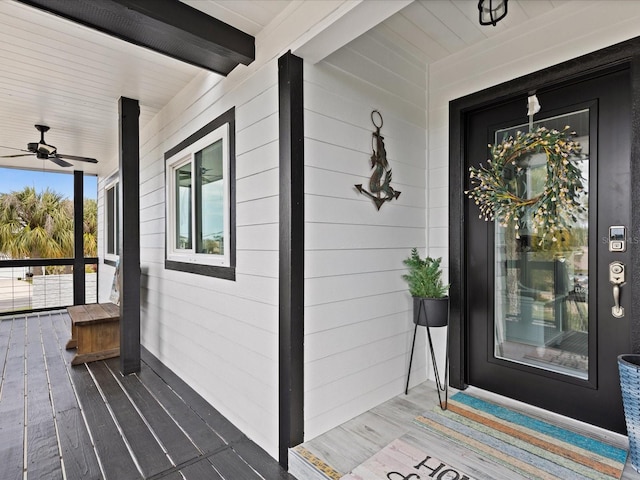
point(219, 336)
point(358, 324)
point(574, 29)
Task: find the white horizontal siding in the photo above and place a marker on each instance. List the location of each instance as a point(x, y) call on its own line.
point(220, 336)
point(357, 309)
point(330, 263)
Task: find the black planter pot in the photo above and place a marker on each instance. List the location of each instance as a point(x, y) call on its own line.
point(431, 312)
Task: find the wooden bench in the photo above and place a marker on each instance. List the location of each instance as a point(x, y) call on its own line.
point(95, 332)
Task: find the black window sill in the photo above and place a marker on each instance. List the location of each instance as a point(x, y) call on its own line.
point(108, 261)
point(226, 273)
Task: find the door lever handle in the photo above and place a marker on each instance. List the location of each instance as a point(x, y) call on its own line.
point(617, 278)
point(617, 311)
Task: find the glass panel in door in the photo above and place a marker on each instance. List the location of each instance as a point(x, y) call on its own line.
point(542, 288)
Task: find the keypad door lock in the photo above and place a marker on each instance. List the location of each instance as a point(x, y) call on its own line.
point(617, 238)
point(617, 279)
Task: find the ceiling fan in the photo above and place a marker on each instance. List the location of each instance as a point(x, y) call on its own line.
point(45, 151)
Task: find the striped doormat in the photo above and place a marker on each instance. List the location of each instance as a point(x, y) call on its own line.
point(402, 461)
point(533, 448)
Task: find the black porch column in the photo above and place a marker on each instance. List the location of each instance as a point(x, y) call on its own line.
point(129, 133)
point(291, 297)
point(78, 238)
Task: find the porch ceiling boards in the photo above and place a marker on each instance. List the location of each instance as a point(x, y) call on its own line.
point(432, 30)
point(92, 423)
point(69, 77)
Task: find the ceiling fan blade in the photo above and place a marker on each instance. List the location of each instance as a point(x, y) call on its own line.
point(13, 148)
point(18, 155)
point(58, 161)
point(79, 159)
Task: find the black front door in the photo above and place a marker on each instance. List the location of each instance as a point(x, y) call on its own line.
point(541, 328)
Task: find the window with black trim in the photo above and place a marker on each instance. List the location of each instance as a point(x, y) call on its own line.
point(112, 216)
point(200, 190)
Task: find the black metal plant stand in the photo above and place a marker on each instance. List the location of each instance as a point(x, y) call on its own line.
point(441, 387)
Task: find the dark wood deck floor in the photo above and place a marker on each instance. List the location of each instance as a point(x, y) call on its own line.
point(89, 422)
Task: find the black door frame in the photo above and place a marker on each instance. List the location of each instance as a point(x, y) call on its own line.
point(626, 52)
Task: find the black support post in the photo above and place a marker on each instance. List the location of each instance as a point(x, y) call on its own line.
point(291, 314)
point(78, 238)
point(129, 133)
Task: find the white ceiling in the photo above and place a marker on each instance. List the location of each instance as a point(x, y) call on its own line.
point(66, 76)
point(434, 29)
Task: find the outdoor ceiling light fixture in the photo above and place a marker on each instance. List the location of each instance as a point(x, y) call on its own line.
point(492, 11)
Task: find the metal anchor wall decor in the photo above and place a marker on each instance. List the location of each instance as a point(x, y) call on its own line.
point(380, 189)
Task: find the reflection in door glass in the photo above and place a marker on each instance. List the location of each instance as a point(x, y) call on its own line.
point(542, 289)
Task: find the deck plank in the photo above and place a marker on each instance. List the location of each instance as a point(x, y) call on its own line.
point(61, 389)
point(254, 455)
point(205, 439)
point(202, 470)
point(148, 452)
point(109, 444)
point(6, 332)
point(62, 326)
point(261, 461)
point(178, 446)
point(216, 421)
point(12, 405)
point(5, 336)
point(231, 466)
point(80, 460)
point(172, 414)
point(172, 476)
point(43, 458)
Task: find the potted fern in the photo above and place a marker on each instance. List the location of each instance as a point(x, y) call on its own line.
point(430, 300)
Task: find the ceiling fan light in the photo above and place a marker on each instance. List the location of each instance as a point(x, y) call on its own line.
point(492, 11)
point(45, 149)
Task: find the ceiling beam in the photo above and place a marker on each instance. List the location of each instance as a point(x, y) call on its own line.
point(169, 27)
point(345, 24)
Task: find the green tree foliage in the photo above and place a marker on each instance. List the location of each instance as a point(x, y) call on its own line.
point(40, 225)
point(90, 227)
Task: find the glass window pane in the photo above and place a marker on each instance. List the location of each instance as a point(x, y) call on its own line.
point(541, 291)
point(46, 200)
point(210, 210)
point(116, 219)
point(200, 185)
point(183, 207)
point(111, 216)
point(90, 229)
